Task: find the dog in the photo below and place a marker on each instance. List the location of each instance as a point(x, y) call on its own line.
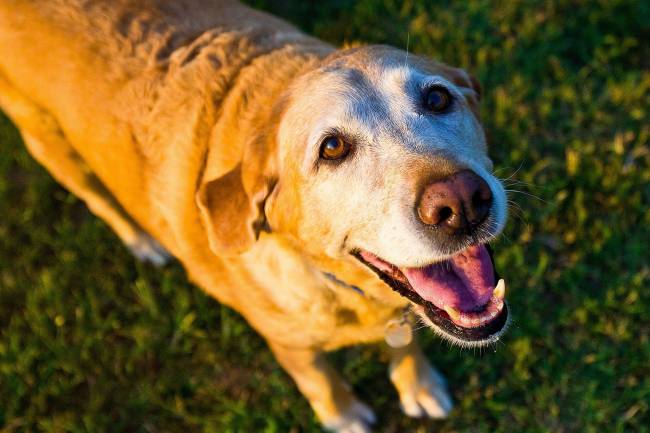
point(323, 193)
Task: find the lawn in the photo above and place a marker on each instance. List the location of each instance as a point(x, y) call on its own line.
point(93, 341)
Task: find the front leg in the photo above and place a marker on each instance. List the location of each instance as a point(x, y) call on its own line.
point(330, 397)
point(422, 389)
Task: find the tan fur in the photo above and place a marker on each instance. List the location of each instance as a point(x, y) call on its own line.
point(175, 121)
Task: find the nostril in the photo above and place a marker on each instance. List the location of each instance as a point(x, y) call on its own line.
point(481, 203)
point(481, 199)
point(477, 200)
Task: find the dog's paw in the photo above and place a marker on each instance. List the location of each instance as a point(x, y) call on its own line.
point(427, 397)
point(356, 419)
point(148, 250)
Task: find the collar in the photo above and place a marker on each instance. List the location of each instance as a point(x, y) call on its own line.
point(334, 279)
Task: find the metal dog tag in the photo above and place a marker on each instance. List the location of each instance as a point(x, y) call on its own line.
point(398, 333)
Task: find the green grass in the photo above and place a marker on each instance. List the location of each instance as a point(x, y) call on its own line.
point(92, 341)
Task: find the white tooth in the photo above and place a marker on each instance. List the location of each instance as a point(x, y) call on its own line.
point(453, 313)
point(500, 289)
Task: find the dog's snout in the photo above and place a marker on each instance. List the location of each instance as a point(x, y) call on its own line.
point(456, 203)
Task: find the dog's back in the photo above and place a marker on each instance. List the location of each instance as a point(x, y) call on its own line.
point(134, 87)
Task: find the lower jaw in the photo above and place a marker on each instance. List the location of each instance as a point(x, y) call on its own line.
point(467, 337)
point(439, 320)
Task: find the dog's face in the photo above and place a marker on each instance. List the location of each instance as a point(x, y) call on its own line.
point(381, 169)
point(384, 162)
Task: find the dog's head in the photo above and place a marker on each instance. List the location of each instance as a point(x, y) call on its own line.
point(380, 168)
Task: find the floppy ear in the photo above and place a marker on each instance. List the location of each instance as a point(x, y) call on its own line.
point(231, 204)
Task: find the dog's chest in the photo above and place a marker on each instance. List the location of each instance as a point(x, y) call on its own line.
point(301, 304)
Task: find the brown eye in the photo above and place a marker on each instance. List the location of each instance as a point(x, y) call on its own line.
point(437, 99)
point(334, 148)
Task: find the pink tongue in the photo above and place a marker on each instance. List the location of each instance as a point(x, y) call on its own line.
point(465, 282)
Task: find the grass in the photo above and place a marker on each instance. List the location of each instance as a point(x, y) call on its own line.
point(92, 341)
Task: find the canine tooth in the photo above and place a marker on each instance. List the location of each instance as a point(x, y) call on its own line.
point(453, 313)
point(500, 289)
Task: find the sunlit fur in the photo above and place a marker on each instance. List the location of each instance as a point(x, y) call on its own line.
point(192, 128)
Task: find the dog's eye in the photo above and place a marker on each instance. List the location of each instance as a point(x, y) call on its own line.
point(334, 148)
point(437, 99)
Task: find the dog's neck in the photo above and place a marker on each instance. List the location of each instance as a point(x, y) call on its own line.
point(342, 283)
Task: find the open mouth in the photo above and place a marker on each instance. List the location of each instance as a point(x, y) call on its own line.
point(462, 297)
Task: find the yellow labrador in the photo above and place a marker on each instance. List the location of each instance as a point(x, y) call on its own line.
point(317, 191)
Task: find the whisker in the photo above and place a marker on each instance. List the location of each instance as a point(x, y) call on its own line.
point(507, 238)
point(516, 171)
point(515, 207)
point(517, 216)
point(518, 182)
point(408, 40)
point(528, 194)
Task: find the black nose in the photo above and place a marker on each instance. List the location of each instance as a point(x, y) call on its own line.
point(457, 203)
